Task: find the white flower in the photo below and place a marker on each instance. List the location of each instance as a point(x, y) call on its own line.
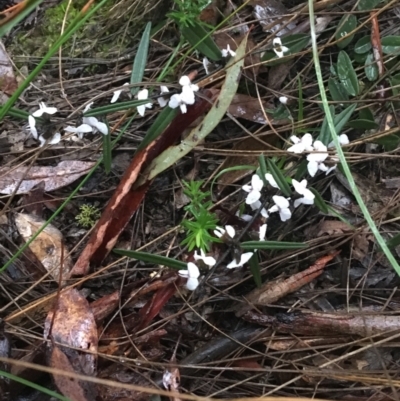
point(278, 48)
point(44, 109)
point(117, 94)
point(192, 273)
point(281, 206)
point(256, 205)
point(185, 97)
point(32, 126)
point(162, 101)
point(82, 129)
point(185, 81)
point(244, 258)
point(283, 99)
point(263, 232)
point(316, 160)
point(227, 51)
point(219, 231)
point(254, 189)
point(143, 95)
point(301, 188)
point(208, 260)
point(245, 217)
point(343, 140)
point(271, 180)
point(206, 63)
point(301, 145)
point(94, 122)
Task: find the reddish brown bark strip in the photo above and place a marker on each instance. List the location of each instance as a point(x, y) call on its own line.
point(376, 44)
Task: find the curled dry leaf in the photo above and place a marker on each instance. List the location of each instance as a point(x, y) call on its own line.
point(74, 343)
point(8, 83)
point(48, 246)
point(54, 177)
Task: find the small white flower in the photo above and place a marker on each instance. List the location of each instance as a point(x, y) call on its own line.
point(263, 232)
point(343, 140)
point(185, 81)
point(271, 180)
point(82, 129)
point(301, 188)
point(219, 231)
point(87, 107)
point(53, 141)
point(283, 99)
point(192, 273)
point(227, 51)
point(256, 205)
point(206, 63)
point(143, 95)
point(32, 126)
point(278, 48)
point(185, 97)
point(254, 189)
point(316, 160)
point(244, 258)
point(301, 145)
point(162, 101)
point(117, 94)
point(245, 217)
point(208, 260)
point(96, 124)
point(281, 206)
point(44, 109)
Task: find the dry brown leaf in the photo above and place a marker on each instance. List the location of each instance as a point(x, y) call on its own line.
point(56, 177)
point(8, 83)
point(48, 247)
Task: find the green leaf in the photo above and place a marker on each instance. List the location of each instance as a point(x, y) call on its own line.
point(347, 74)
point(112, 108)
point(347, 24)
point(393, 242)
point(366, 114)
point(296, 42)
point(363, 45)
point(263, 168)
point(389, 142)
point(337, 91)
point(255, 269)
point(325, 133)
point(279, 178)
point(107, 147)
point(370, 68)
point(319, 201)
point(280, 245)
point(139, 64)
point(366, 5)
point(391, 45)
point(362, 124)
point(150, 258)
point(200, 39)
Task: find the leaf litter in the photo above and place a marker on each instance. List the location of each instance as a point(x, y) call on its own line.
point(133, 321)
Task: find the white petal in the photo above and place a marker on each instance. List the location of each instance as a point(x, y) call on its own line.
point(193, 270)
point(164, 89)
point(183, 108)
point(116, 96)
point(264, 213)
point(277, 42)
point(256, 182)
point(87, 107)
point(244, 217)
point(298, 186)
point(297, 148)
point(256, 205)
point(101, 127)
point(273, 209)
point(194, 87)
point(322, 167)
point(279, 53)
point(38, 113)
point(307, 142)
point(192, 284)
point(317, 157)
point(184, 81)
point(233, 264)
point(312, 167)
point(253, 197)
point(271, 180)
point(41, 140)
point(187, 95)
point(263, 232)
point(280, 201)
point(224, 53)
point(143, 94)
point(56, 139)
point(141, 109)
point(231, 231)
point(298, 202)
point(175, 101)
point(183, 273)
point(219, 232)
point(247, 188)
point(285, 214)
point(162, 101)
point(330, 169)
point(284, 49)
point(320, 147)
point(209, 261)
point(283, 99)
point(85, 128)
point(245, 257)
point(32, 126)
point(344, 139)
point(231, 52)
point(295, 139)
point(206, 63)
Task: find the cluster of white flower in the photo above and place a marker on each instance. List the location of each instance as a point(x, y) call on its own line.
point(317, 152)
point(43, 109)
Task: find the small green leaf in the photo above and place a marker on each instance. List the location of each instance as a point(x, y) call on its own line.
point(263, 168)
point(200, 39)
point(389, 142)
point(139, 64)
point(362, 124)
point(370, 68)
point(337, 91)
point(366, 114)
point(296, 42)
point(393, 242)
point(279, 178)
point(347, 74)
point(347, 24)
point(360, 58)
point(280, 245)
point(366, 5)
point(319, 201)
point(363, 45)
point(112, 108)
point(107, 151)
point(391, 45)
point(255, 269)
point(150, 258)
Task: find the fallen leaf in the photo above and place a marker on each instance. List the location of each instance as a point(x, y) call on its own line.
point(25, 178)
point(8, 83)
point(48, 246)
point(249, 108)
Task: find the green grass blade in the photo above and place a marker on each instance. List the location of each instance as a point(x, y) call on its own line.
point(150, 258)
point(112, 108)
point(339, 150)
point(279, 178)
point(277, 245)
point(139, 64)
point(255, 269)
point(107, 147)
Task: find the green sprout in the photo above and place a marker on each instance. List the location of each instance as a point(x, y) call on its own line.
point(88, 216)
point(187, 12)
